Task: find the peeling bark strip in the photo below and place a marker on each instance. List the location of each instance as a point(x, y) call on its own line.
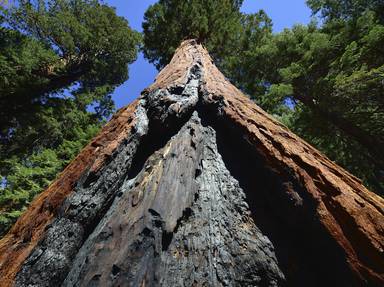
point(194, 185)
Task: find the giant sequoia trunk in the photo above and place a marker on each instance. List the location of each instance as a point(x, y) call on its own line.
point(194, 185)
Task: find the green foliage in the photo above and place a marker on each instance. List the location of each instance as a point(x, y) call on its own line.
point(215, 23)
point(255, 31)
point(50, 45)
point(346, 9)
point(60, 61)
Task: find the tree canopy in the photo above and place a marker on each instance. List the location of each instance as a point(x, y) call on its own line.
point(215, 23)
point(50, 45)
point(345, 9)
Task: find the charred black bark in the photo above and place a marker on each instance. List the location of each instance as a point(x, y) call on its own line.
point(159, 116)
point(182, 227)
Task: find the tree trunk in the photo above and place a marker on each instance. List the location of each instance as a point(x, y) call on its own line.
point(194, 185)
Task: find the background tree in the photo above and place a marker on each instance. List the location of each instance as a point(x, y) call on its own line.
point(345, 9)
point(60, 61)
point(53, 44)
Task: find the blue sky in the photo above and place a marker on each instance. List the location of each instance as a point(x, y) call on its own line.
point(284, 14)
